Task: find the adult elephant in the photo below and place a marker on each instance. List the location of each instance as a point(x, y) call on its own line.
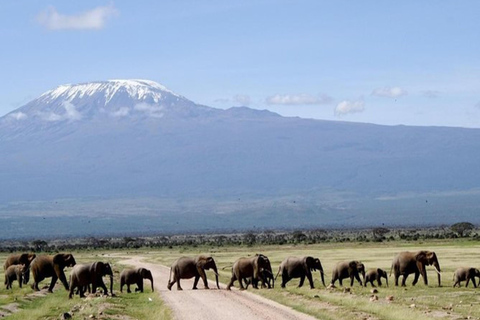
point(19, 259)
point(83, 275)
point(266, 276)
point(407, 262)
point(376, 274)
point(51, 266)
point(135, 276)
point(348, 269)
point(300, 267)
point(462, 274)
point(246, 268)
point(186, 268)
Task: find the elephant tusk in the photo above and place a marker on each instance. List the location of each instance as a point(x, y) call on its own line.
point(437, 270)
point(216, 274)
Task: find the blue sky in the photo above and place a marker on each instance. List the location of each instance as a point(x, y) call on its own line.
point(385, 62)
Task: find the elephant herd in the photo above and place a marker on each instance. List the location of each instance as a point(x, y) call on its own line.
point(247, 271)
point(83, 277)
point(257, 269)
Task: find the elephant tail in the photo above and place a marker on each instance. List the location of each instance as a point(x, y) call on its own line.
point(227, 267)
point(278, 272)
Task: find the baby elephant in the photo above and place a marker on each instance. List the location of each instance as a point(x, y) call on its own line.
point(376, 274)
point(14, 272)
point(462, 274)
point(135, 276)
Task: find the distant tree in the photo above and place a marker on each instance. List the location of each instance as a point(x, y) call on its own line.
point(379, 233)
point(461, 228)
point(249, 239)
point(299, 237)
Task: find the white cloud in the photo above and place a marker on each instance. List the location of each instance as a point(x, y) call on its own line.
point(122, 112)
point(151, 110)
point(389, 92)
point(298, 99)
point(346, 107)
point(92, 19)
point(242, 99)
point(17, 115)
point(71, 114)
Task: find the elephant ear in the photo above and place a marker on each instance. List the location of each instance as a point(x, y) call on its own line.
point(353, 264)
point(310, 263)
point(380, 272)
point(203, 261)
point(59, 259)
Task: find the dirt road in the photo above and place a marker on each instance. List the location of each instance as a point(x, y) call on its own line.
point(214, 304)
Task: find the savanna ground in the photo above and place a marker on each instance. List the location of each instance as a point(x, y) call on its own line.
point(419, 302)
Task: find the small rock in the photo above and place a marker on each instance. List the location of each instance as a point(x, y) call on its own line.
point(373, 297)
point(316, 296)
point(65, 315)
point(412, 305)
point(331, 286)
point(91, 316)
point(389, 298)
point(346, 290)
point(374, 291)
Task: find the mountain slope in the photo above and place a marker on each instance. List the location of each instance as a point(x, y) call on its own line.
point(135, 138)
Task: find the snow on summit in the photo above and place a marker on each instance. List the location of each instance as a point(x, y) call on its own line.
point(138, 89)
point(112, 99)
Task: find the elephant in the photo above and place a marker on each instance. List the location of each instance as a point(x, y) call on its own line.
point(407, 262)
point(300, 267)
point(266, 275)
point(245, 268)
point(51, 266)
point(135, 276)
point(462, 274)
point(348, 269)
point(186, 268)
point(14, 272)
point(83, 275)
point(23, 258)
point(376, 274)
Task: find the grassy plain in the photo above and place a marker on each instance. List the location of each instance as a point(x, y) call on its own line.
point(419, 302)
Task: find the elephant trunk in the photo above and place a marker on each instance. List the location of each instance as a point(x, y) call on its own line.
point(214, 268)
point(150, 277)
point(436, 266)
point(322, 277)
point(386, 279)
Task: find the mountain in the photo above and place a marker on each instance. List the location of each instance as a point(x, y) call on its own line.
point(82, 150)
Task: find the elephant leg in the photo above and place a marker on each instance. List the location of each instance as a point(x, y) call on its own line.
point(178, 284)
point(240, 282)
point(52, 283)
point(415, 279)
point(302, 279)
point(340, 280)
point(195, 282)
point(140, 285)
point(310, 280)
point(474, 283)
point(104, 287)
point(232, 280)
point(128, 289)
point(404, 279)
point(468, 281)
point(204, 278)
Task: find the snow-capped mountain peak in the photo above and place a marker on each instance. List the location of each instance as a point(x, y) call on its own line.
point(112, 99)
point(138, 89)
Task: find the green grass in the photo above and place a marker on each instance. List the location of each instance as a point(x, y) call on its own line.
point(146, 305)
point(429, 301)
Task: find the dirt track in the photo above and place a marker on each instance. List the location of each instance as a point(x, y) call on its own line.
point(213, 304)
